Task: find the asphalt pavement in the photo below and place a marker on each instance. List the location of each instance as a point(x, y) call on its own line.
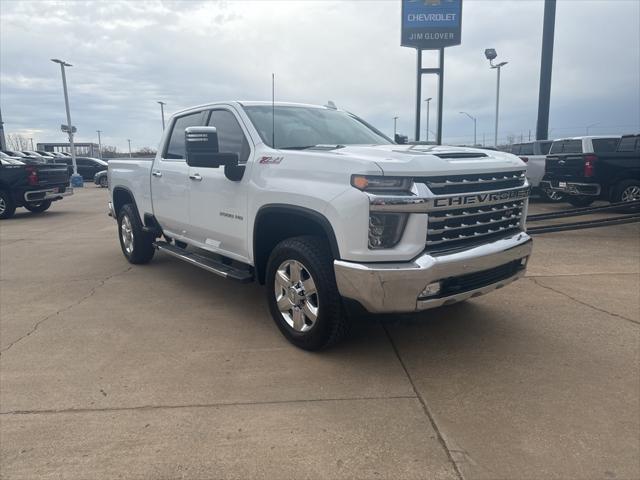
point(163, 371)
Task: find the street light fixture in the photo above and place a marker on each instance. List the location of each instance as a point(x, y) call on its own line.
point(475, 124)
point(491, 55)
point(76, 180)
point(162, 104)
point(427, 100)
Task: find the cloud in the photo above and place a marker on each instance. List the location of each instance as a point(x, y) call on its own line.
point(128, 55)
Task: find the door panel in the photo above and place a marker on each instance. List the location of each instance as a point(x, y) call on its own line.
point(218, 206)
point(170, 180)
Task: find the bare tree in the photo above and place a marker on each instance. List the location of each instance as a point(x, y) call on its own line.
point(18, 142)
point(109, 151)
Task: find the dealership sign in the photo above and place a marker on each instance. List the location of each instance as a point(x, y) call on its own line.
point(431, 24)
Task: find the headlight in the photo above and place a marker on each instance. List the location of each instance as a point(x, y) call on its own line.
point(385, 229)
point(386, 185)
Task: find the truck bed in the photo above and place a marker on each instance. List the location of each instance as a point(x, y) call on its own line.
point(134, 174)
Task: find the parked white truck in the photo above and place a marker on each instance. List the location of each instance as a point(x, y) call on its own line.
point(323, 208)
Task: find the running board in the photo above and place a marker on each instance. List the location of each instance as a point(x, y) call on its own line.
point(206, 263)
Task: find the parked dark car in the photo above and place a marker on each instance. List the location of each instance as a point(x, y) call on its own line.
point(101, 179)
point(34, 186)
point(87, 166)
point(608, 175)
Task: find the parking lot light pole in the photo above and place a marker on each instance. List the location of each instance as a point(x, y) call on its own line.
point(129, 140)
point(491, 55)
point(395, 127)
point(162, 104)
point(76, 180)
point(475, 124)
point(99, 144)
point(427, 100)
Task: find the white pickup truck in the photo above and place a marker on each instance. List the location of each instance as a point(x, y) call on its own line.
point(325, 210)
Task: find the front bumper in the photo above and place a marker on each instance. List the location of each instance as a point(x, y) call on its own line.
point(47, 194)
point(397, 287)
point(572, 188)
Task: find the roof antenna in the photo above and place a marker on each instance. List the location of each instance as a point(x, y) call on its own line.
point(273, 110)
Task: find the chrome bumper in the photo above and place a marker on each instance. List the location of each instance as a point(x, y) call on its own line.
point(47, 194)
point(396, 287)
point(573, 188)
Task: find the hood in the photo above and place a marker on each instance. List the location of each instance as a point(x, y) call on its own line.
point(423, 160)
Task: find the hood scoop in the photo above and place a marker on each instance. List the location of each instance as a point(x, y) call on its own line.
point(461, 155)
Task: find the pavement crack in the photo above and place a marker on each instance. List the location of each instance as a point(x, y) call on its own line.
point(425, 407)
point(92, 292)
point(593, 307)
point(201, 405)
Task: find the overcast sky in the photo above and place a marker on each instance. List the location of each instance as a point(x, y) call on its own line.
point(128, 55)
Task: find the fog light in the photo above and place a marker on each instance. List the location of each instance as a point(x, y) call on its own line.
point(430, 290)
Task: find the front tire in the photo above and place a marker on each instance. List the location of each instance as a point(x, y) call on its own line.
point(104, 182)
point(38, 207)
point(7, 205)
point(137, 245)
point(302, 294)
point(580, 201)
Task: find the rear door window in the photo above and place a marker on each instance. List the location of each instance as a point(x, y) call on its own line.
point(175, 148)
point(629, 144)
point(604, 145)
point(526, 149)
point(544, 147)
point(515, 149)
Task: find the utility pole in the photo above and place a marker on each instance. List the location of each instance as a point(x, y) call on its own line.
point(129, 140)
point(546, 64)
point(99, 144)
point(428, 100)
point(395, 129)
point(3, 141)
point(162, 104)
point(76, 180)
point(31, 141)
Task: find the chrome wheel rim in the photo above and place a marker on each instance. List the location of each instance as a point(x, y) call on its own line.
point(103, 182)
point(126, 233)
point(3, 205)
point(631, 193)
point(296, 295)
point(554, 195)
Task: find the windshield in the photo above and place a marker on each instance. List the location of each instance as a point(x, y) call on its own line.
point(305, 127)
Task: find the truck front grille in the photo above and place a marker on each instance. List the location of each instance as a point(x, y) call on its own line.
point(473, 182)
point(465, 227)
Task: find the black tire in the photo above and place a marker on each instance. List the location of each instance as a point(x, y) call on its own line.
point(553, 197)
point(7, 205)
point(626, 191)
point(38, 207)
point(104, 182)
point(580, 201)
point(140, 250)
point(331, 324)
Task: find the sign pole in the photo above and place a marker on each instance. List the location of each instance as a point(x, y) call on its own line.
point(546, 64)
point(418, 93)
point(440, 97)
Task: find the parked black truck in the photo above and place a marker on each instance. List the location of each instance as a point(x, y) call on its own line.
point(32, 186)
point(608, 175)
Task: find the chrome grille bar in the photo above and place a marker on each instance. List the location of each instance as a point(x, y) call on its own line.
point(476, 181)
point(505, 228)
point(477, 223)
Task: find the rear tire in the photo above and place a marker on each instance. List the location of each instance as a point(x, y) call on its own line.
point(626, 191)
point(38, 207)
point(137, 245)
point(552, 196)
point(580, 201)
point(7, 205)
point(302, 293)
point(104, 182)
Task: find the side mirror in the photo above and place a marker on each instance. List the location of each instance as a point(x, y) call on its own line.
point(201, 146)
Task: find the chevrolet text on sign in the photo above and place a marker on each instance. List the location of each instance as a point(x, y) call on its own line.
point(431, 24)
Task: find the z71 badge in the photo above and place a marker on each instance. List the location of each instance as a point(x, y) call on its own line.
point(270, 160)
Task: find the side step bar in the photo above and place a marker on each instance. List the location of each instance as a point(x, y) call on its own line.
point(206, 263)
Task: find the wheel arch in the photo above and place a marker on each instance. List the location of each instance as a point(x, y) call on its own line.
point(121, 196)
point(276, 222)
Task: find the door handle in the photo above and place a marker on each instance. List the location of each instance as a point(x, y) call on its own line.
point(196, 176)
point(156, 173)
